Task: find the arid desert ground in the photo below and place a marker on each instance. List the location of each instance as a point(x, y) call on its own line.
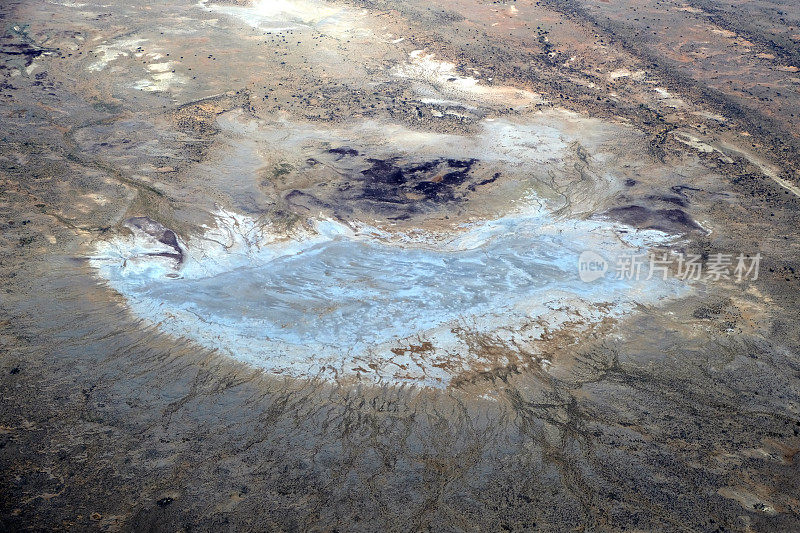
point(300, 265)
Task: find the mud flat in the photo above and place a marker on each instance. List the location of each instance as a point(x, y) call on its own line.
point(310, 265)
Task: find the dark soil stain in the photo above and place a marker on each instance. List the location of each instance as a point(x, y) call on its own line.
point(394, 187)
point(666, 220)
point(161, 234)
point(388, 181)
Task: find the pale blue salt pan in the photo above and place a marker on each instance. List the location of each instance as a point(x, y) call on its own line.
point(338, 295)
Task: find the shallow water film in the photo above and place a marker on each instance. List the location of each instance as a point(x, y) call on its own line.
point(369, 266)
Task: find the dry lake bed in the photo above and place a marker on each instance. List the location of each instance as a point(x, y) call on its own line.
point(298, 265)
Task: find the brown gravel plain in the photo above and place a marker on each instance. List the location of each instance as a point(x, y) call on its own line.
point(672, 115)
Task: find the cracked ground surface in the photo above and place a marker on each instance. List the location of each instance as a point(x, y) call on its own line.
point(191, 139)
